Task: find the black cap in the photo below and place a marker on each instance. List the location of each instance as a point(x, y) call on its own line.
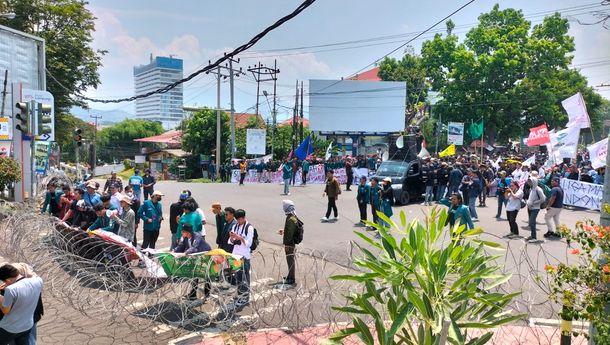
point(187, 227)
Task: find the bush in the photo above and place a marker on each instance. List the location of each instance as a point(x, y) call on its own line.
point(127, 164)
point(427, 280)
point(10, 171)
point(584, 287)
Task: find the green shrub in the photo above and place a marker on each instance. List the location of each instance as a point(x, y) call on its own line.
point(10, 171)
point(426, 281)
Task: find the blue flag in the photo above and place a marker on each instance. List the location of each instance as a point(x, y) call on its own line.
point(305, 149)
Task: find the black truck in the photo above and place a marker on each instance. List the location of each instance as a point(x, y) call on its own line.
point(406, 178)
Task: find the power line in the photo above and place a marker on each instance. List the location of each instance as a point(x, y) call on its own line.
point(222, 59)
point(404, 35)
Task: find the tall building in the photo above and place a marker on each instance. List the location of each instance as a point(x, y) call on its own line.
point(163, 107)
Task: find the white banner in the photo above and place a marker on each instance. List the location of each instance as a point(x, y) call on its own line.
point(577, 111)
point(315, 176)
point(564, 143)
point(455, 133)
point(582, 194)
point(256, 140)
point(597, 153)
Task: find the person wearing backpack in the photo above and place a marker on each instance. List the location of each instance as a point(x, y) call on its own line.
point(535, 199)
point(292, 235)
point(241, 237)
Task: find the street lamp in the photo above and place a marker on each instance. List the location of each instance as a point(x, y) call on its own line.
point(7, 15)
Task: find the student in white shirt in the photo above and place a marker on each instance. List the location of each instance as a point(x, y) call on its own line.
point(241, 237)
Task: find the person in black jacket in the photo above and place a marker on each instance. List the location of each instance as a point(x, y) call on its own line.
point(442, 177)
point(175, 211)
point(223, 237)
point(428, 177)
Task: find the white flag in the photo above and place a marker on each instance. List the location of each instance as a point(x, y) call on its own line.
point(496, 164)
point(328, 153)
point(597, 153)
point(423, 153)
point(564, 143)
point(577, 111)
point(530, 161)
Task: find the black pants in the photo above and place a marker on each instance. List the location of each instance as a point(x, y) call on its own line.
point(512, 221)
point(362, 208)
point(195, 284)
point(332, 205)
point(147, 193)
point(350, 180)
point(374, 212)
point(242, 176)
point(483, 195)
point(243, 282)
point(14, 338)
point(290, 261)
point(304, 177)
point(150, 239)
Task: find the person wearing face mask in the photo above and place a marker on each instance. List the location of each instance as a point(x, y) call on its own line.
point(151, 213)
point(135, 206)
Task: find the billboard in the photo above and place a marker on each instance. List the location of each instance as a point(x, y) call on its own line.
point(356, 106)
point(256, 141)
point(455, 133)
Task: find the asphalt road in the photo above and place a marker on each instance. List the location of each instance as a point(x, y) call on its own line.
point(263, 205)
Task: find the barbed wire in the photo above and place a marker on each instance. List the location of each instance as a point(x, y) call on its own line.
point(96, 279)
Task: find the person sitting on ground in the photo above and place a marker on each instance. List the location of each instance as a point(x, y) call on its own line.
point(192, 242)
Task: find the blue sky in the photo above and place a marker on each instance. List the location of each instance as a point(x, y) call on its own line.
point(198, 31)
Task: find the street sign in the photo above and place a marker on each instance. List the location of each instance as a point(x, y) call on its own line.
point(46, 99)
point(6, 132)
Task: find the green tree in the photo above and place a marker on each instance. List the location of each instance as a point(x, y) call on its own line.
point(411, 70)
point(117, 141)
point(64, 136)
point(10, 171)
point(507, 73)
point(199, 135)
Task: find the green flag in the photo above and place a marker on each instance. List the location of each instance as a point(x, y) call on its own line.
point(476, 129)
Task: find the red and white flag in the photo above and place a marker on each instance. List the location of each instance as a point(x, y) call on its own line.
point(538, 136)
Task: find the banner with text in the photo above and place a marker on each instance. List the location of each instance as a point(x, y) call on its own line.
point(315, 176)
point(582, 194)
point(538, 136)
point(598, 153)
point(455, 133)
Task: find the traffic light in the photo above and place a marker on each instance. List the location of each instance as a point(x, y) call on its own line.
point(44, 121)
point(78, 137)
point(23, 117)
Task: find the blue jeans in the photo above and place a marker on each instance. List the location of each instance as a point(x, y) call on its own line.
point(501, 201)
point(440, 192)
point(286, 185)
point(429, 194)
point(472, 206)
point(532, 221)
point(453, 189)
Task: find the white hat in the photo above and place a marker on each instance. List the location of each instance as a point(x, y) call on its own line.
point(157, 192)
point(126, 199)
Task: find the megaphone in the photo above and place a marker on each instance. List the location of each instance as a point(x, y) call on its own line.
point(423, 153)
point(400, 142)
point(385, 156)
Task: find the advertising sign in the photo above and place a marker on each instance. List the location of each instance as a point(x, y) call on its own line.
point(455, 133)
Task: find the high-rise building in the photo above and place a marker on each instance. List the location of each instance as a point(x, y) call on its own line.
point(163, 107)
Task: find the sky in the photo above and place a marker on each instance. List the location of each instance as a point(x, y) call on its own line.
point(198, 31)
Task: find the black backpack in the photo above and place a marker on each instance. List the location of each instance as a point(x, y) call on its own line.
point(298, 235)
point(255, 241)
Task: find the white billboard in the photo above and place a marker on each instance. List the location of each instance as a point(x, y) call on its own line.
point(455, 133)
point(356, 106)
point(256, 141)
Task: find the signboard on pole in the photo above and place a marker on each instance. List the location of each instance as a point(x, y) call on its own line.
point(256, 140)
point(455, 133)
point(41, 156)
point(6, 130)
point(43, 97)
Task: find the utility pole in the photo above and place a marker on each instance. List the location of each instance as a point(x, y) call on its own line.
point(231, 85)
point(301, 121)
point(261, 73)
point(294, 118)
point(218, 122)
point(94, 158)
point(605, 217)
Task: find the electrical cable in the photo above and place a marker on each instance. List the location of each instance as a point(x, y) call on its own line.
point(222, 59)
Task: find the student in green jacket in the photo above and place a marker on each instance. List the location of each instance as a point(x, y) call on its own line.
point(304, 172)
point(102, 222)
point(52, 200)
point(458, 211)
point(189, 217)
point(151, 214)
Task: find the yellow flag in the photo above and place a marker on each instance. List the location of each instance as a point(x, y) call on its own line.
point(449, 151)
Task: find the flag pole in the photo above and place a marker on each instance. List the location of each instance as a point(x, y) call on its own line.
point(481, 141)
